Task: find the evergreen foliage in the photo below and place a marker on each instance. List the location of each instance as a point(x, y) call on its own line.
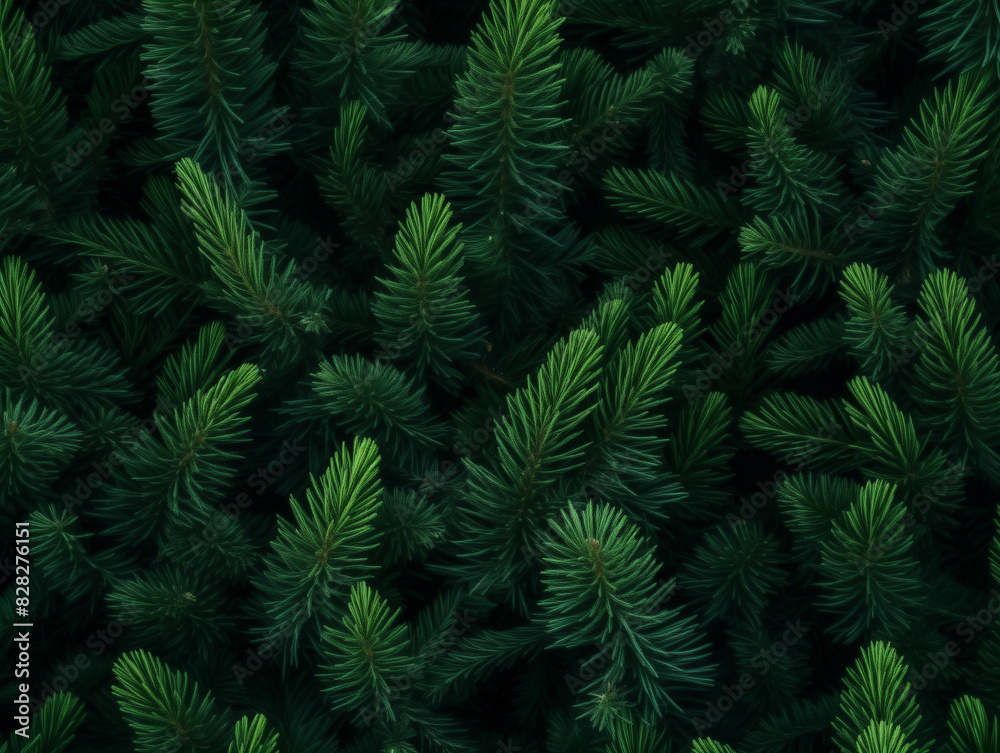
point(577, 376)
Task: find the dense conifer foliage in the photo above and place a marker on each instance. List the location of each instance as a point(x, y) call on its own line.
point(611, 376)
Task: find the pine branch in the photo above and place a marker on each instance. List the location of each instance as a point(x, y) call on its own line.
point(58, 367)
point(695, 213)
point(957, 376)
point(870, 574)
point(505, 149)
point(213, 117)
point(597, 576)
point(180, 615)
point(374, 400)
point(324, 551)
point(252, 735)
point(509, 498)
point(371, 650)
point(352, 185)
point(423, 308)
point(163, 709)
point(875, 690)
point(177, 477)
point(280, 311)
point(808, 347)
point(34, 446)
